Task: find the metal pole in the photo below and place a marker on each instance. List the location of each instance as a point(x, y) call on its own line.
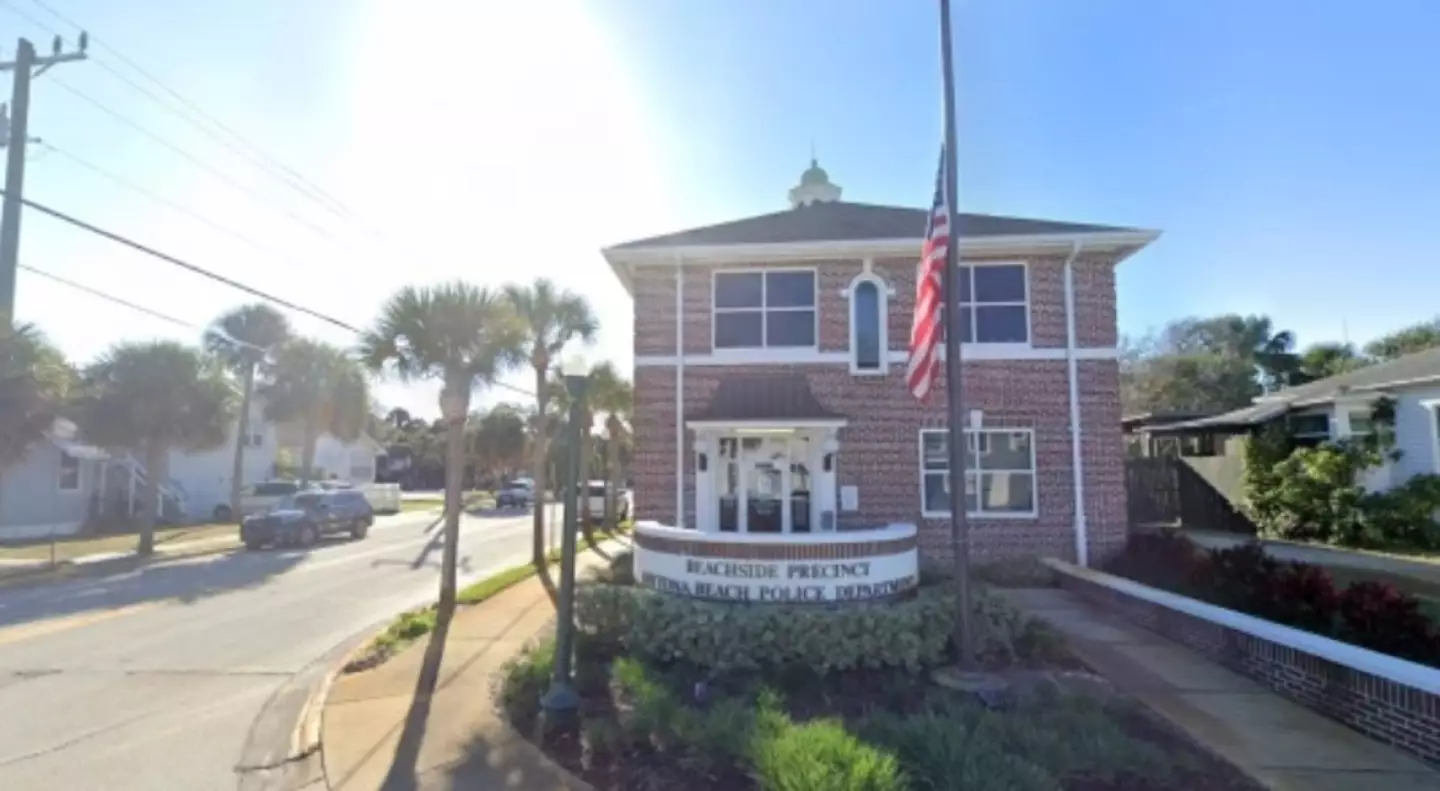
point(16, 138)
point(562, 696)
point(954, 396)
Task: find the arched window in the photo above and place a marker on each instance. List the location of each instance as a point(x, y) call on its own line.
point(869, 344)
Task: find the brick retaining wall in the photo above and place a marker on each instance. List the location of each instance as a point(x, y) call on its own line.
point(1388, 710)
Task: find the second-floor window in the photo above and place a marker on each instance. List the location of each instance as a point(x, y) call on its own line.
point(994, 304)
point(765, 310)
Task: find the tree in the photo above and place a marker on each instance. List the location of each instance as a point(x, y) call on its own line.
point(155, 397)
point(498, 442)
point(243, 340)
point(318, 387)
point(1408, 340)
point(613, 396)
point(1322, 360)
point(34, 382)
point(551, 318)
point(463, 335)
point(1250, 338)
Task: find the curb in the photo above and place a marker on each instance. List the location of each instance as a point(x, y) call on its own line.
point(68, 569)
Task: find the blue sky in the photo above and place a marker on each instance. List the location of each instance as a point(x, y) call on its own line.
point(1286, 149)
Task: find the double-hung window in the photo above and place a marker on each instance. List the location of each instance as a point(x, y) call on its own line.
point(999, 472)
point(994, 304)
point(772, 309)
point(69, 479)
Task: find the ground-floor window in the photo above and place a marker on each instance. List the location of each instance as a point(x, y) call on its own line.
point(999, 472)
point(69, 480)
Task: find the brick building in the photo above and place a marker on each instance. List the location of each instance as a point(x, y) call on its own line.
point(770, 388)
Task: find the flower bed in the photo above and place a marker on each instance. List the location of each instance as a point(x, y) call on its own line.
point(664, 706)
point(1301, 595)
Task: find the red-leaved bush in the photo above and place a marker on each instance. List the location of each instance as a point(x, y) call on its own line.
point(1302, 595)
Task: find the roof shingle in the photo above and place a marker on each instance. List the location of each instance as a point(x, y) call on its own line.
point(840, 221)
point(764, 397)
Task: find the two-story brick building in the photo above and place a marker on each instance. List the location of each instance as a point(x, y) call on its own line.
point(770, 392)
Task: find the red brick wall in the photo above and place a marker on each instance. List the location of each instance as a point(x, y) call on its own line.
point(879, 448)
point(1094, 301)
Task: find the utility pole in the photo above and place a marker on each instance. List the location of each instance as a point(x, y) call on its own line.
point(17, 134)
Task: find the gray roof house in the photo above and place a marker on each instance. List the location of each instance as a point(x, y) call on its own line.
point(1339, 406)
point(49, 492)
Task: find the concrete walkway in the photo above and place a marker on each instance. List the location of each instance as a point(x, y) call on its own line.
point(427, 718)
point(1282, 744)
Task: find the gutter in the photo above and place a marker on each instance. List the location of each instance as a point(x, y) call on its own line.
point(679, 392)
point(1082, 543)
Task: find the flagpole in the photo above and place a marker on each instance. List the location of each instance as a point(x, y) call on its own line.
point(954, 398)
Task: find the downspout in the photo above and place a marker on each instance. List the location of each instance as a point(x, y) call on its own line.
point(679, 393)
point(1082, 550)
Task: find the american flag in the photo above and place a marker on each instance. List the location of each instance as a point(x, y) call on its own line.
point(929, 291)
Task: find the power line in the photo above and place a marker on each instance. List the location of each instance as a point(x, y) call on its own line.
point(162, 200)
point(108, 297)
point(193, 159)
point(115, 237)
point(235, 142)
point(183, 264)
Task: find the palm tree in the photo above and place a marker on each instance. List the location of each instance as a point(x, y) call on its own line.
point(317, 386)
point(551, 318)
point(155, 397)
point(243, 340)
point(463, 335)
point(34, 381)
point(612, 395)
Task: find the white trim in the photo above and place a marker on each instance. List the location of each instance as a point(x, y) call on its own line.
point(1364, 660)
point(882, 305)
point(765, 309)
point(79, 475)
point(891, 532)
point(1072, 374)
point(702, 255)
point(768, 425)
point(1430, 405)
point(979, 470)
point(971, 352)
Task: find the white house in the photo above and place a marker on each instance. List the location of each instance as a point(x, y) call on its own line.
point(1340, 406)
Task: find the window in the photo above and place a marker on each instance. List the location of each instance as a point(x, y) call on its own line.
point(1310, 430)
point(994, 304)
point(868, 341)
point(999, 476)
point(256, 439)
point(1360, 424)
point(764, 310)
point(69, 473)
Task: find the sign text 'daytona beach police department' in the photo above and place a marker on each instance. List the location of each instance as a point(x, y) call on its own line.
point(776, 581)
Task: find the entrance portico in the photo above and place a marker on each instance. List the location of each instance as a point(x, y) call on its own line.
point(765, 458)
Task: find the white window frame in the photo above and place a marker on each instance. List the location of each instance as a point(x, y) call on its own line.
point(60, 486)
point(974, 315)
point(1432, 415)
point(885, 291)
point(764, 309)
point(981, 438)
point(1329, 426)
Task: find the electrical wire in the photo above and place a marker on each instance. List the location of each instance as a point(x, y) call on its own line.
point(109, 297)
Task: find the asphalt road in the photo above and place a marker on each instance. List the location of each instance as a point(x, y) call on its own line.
point(152, 679)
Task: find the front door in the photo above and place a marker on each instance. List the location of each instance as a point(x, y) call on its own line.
point(763, 484)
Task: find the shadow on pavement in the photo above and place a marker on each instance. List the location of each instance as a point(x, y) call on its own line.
point(134, 582)
point(404, 770)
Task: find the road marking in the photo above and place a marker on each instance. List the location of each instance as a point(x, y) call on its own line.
point(65, 623)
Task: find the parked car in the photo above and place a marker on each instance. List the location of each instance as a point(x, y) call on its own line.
point(595, 490)
point(258, 498)
point(516, 494)
point(302, 519)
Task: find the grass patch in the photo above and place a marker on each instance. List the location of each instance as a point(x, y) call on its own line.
point(413, 625)
point(71, 547)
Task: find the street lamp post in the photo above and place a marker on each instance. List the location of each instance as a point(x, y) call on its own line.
point(561, 696)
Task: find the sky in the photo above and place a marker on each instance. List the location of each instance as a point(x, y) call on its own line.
point(1285, 149)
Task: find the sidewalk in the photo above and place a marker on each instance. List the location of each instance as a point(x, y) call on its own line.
point(14, 570)
point(1282, 744)
point(427, 720)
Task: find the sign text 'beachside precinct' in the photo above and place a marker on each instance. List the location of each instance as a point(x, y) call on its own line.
point(770, 568)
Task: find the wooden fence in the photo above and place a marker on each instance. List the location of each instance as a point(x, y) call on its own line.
point(1164, 490)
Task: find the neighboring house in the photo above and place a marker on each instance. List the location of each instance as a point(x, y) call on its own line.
point(770, 390)
point(50, 491)
point(1339, 407)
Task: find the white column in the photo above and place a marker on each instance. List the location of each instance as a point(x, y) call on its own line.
point(785, 488)
point(825, 488)
point(707, 505)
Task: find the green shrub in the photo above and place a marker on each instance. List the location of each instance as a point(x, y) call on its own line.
point(720, 637)
point(603, 737)
point(822, 756)
point(619, 571)
point(525, 678)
